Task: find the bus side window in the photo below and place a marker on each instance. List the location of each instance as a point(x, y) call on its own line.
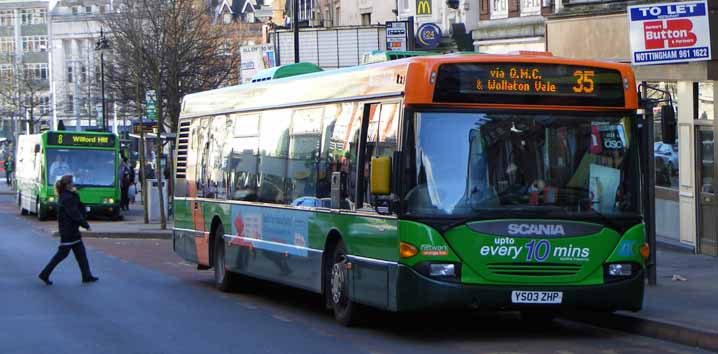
point(202, 152)
point(273, 151)
point(243, 158)
point(304, 151)
point(215, 180)
point(341, 136)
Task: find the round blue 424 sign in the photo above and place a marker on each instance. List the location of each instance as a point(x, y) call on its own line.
point(429, 35)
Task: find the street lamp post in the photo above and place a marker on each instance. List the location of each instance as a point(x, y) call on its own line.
point(102, 46)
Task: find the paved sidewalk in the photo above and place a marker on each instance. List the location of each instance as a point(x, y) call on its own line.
point(683, 307)
point(132, 226)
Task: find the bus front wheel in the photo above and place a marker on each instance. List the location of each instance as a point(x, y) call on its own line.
point(41, 212)
point(224, 280)
point(345, 310)
point(23, 211)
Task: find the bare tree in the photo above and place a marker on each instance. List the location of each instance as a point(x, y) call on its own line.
point(172, 48)
point(22, 91)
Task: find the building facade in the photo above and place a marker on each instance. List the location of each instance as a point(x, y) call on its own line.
point(455, 18)
point(686, 200)
point(24, 62)
point(511, 25)
point(74, 28)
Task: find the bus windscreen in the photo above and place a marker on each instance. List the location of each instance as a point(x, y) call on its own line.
point(529, 84)
point(90, 168)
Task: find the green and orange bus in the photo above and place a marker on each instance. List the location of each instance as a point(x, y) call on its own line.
point(461, 181)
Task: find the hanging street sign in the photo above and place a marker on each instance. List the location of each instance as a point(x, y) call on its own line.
point(151, 105)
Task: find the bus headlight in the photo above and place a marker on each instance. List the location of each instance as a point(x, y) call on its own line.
point(440, 270)
point(51, 199)
point(108, 201)
point(620, 270)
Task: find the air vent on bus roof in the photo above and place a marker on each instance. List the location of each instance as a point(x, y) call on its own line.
point(182, 146)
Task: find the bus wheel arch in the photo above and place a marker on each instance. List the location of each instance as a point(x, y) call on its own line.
point(216, 223)
point(23, 211)
point(40, 212)
point(335, 270)
point(224, 280)
point(333, 238)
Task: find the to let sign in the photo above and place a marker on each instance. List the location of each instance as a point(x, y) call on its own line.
point(669, 33)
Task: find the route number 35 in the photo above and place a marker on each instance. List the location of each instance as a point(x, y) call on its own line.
point(584, 81)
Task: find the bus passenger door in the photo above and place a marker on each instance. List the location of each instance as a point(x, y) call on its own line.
point(197, 190)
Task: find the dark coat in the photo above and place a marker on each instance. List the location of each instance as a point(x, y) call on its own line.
point(70, 216)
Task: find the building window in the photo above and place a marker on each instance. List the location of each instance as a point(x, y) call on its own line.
point(40, 17)
point(88, 9)
point(499, 9)
point(36, 71)
point(530, 7)
point(250, 17)
point(34, 44)
point(75, 10)
point(44, 105)
point(83, 74)
point(227, 18)
point(7, 18)
point(6, 72)
point(366, 19)
point(665, 155)
point(33, 16)
point(69, 74)
point(26, 16)
point(7, 45)
point(70, 104)
point(705, 100)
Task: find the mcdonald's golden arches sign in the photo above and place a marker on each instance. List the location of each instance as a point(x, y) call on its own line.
point(423, 7)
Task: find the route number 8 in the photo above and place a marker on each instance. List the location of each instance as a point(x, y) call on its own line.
point(584, 81)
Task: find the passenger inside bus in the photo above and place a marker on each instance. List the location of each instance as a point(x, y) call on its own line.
point(568, 164)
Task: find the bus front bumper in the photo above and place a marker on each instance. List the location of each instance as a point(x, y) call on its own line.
point(417, 292)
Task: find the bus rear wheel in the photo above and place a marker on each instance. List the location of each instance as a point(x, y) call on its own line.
point(345, 310)
point(224, 280)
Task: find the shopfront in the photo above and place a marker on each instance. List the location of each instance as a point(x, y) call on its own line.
point(686, 190)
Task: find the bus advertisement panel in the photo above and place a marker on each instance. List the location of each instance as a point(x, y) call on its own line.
point(473, 181)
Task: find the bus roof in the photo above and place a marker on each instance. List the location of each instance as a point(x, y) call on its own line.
point(288, 70)
point(378, 56)
point(413, 78)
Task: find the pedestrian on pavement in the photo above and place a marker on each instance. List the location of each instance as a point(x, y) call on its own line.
point(125, 182)
point(9, 169)
point(70, 216)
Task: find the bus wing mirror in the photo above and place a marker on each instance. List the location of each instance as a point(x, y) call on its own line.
point(381, 176)
point(668, 125)
point(37, 148)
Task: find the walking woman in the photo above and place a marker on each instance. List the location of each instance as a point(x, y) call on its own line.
point(70, 216)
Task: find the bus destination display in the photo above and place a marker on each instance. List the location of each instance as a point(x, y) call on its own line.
point(70, 139)
point(526, 83)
